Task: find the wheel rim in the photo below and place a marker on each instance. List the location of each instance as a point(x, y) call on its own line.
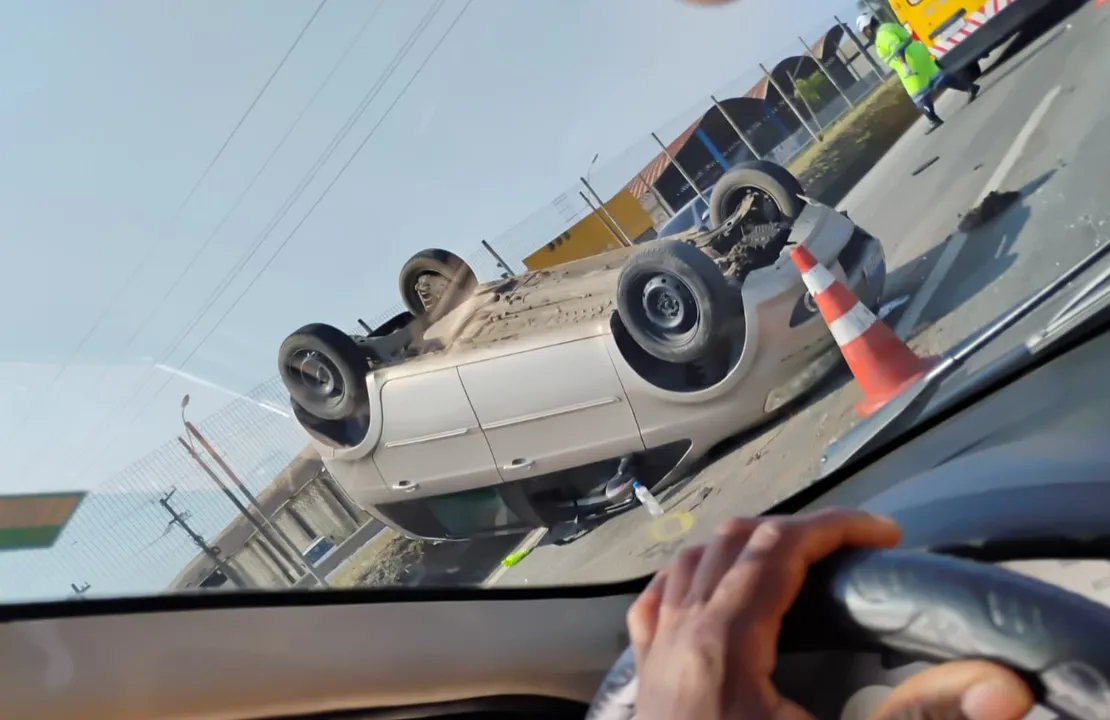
point(317, 375)
point(764, 209)
point(430, 288)
point(670, 309)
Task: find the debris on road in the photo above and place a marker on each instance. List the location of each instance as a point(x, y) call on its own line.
point(392, 564)
point(992, 206)
point(925, 165)
point(892, 305)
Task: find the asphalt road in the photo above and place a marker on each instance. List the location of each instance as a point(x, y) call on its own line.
point(1037, 128)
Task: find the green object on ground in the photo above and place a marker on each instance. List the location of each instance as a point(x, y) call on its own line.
point(35, 522)
point(515, 557)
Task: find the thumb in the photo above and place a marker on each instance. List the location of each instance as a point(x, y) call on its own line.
point(973, 689)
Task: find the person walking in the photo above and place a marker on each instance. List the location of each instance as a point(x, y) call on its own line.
point(914, 64)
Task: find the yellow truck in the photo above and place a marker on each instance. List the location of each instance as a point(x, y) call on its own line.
point(960, 33)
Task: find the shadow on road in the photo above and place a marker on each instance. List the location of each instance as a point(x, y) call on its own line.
point(985, 257)
point(1049, 20)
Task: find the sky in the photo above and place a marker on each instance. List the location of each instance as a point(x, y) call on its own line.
point(117, 230)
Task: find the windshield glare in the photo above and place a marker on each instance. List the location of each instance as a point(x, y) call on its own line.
point(512, 345)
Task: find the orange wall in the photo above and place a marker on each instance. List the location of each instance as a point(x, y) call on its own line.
point(589, 235)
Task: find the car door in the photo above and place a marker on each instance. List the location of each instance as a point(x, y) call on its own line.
point(551, 408)
point(431, 442)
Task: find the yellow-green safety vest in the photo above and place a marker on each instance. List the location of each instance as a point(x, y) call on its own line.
point(919, 66)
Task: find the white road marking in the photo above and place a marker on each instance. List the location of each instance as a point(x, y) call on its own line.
point(956, 244)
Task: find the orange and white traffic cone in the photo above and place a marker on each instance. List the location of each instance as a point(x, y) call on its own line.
point(882, 364)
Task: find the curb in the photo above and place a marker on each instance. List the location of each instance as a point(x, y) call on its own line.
point(527, 544)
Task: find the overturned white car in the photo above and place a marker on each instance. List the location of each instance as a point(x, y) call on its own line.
point(536, 399)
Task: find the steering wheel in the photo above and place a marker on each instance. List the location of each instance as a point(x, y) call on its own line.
point(937, 608)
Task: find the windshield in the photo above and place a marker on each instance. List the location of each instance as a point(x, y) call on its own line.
point(370, 294)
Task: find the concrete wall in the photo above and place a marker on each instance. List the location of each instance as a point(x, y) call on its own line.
point(316, 511)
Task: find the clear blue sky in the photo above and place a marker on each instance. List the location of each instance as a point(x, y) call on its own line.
point(113, 110)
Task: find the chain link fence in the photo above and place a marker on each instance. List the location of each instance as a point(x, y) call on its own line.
point(121, 540)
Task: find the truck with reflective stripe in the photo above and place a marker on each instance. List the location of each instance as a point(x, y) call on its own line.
point(960, 33)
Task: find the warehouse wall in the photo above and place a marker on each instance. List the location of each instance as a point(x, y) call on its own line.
point(590, 236)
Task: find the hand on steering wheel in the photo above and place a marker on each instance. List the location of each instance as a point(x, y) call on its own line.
point(705, 633)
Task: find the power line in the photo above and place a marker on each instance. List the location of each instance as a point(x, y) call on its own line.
point(424, 63)
point(286, 207)
point(173, 221)
point(238, 201)
point(313, 171)
point(277, 148)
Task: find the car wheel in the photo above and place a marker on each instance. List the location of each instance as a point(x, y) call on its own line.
point(427, 277)
point(324, 371)
point(674, 301)
point(774, 192)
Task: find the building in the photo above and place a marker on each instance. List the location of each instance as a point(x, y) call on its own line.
point(595, 233)
point(306, 504)
point(766, 116)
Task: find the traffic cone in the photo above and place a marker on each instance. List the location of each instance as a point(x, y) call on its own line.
point(882, 364)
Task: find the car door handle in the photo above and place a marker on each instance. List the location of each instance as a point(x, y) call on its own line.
point(519, 464)
point(406, 486)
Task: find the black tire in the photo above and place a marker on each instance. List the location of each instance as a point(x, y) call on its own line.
point(324, 371)
point(773, 181)
point(447, 265)
point(675, 302)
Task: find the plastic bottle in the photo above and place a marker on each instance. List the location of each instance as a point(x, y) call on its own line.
point(647, 499)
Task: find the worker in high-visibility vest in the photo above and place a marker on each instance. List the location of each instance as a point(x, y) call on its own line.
point(913, 63)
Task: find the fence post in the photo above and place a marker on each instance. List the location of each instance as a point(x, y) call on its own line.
point(848, 64)
point(828, 74)
point(732, 123)
point(680, 169)
point(601, 218)
point(805, 101)
point(657, 195)
point(605, 211)
point(862, 48)
point(789, 103)
point(497, 258)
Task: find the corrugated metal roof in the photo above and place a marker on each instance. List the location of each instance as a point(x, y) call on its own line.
point(651, 172)
point(654, 169)
point(759, 90)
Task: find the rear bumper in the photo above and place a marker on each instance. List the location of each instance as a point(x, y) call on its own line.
point(991, 34)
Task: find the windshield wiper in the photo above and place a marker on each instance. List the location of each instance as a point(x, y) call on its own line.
point(905, 410)
point(1090, 297)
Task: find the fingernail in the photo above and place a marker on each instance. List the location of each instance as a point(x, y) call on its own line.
point(991, 700)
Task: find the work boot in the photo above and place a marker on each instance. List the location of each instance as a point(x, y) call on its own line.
point(933, 125)
point(972, 93)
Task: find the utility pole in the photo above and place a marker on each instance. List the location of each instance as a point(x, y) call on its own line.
point(213, 554)
point(280, 556)
point(254, 502)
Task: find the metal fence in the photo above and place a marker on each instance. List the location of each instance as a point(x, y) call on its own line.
point(122, 541)
point(774, 111)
